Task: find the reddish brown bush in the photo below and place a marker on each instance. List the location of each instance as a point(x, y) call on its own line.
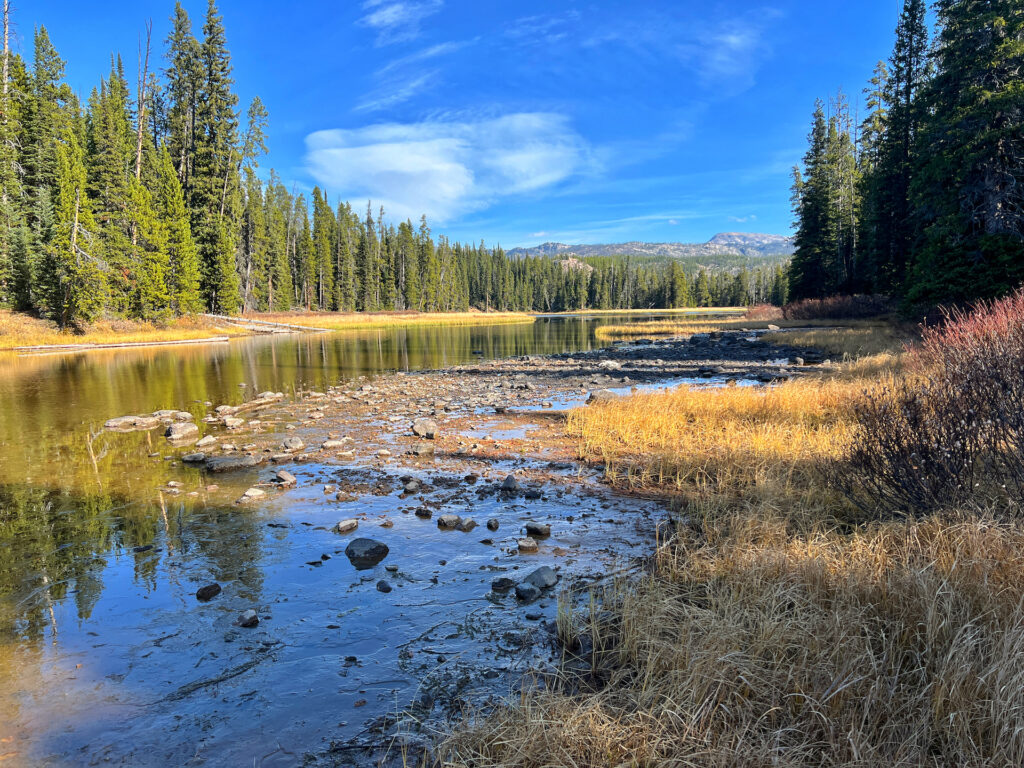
point(957, 437)
point(838, 308)
point(763, 312)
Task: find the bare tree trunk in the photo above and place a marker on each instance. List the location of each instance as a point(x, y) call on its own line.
point(141, 117)
point(7, 50)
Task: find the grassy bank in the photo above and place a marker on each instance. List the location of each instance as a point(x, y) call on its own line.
point(356, 321)
point(20, 330)
point(780, 624)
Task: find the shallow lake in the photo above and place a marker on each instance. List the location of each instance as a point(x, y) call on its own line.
point(107, 657)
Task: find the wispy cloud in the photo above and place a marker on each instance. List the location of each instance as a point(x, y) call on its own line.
point(404, 78)
point(447, 168)
point(743, 219)
point(397, 20)
point(728, 53)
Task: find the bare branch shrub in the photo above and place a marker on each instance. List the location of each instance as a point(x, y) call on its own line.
point(954, 434)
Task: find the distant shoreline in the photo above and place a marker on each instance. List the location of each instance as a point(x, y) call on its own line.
point(23, 334)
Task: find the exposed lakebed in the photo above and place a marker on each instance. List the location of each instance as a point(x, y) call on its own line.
point(109, 657)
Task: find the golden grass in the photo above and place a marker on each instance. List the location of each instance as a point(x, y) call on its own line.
point(884, 334)
point(20, 330)
point(658, 311)
point(344, 321)
point(749, 645)
point(775, 628)
point(848, 343)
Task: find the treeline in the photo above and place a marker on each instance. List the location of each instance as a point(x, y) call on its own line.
point(150, 204)
point(924, 198)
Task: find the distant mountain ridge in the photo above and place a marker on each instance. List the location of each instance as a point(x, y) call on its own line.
point(751, 245)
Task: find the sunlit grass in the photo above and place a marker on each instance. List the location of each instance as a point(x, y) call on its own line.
point(374, 320)
point(20, 330)
point(776, 626)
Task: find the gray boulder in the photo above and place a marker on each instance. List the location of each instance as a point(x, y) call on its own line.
point(538, 530)
point(527, 592)
point(233, 463)
point(181, 430)
point(365, 553)
point(449, 522)
point(425, 428)
point(542, 578)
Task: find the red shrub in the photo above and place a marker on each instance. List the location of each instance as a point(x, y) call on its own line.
point(838, 308)
point(763, 312)
point(957, 438)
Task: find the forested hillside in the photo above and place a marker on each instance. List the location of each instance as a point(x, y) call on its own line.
point(151, 203)
point(925, 198)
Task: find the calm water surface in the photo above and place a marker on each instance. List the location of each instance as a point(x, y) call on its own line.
point(102, 644)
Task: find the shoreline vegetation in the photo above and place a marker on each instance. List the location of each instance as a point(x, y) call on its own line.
point(840, 582)
point(20, 330)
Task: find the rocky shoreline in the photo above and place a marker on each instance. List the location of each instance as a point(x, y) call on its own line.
point(460, 480)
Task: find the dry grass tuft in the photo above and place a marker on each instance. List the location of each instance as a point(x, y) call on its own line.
point(900, 644)
point(20, 330)
point(776, 627)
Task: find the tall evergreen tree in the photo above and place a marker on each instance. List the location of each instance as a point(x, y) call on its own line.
point(968, 187)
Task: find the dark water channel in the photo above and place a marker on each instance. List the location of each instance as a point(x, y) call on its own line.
point(106, 656)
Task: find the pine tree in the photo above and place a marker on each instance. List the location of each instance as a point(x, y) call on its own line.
point(13, 229)
point(70, 280)
point(214, 200)
point(968, 185)
point(183, 263)
point(184, 80)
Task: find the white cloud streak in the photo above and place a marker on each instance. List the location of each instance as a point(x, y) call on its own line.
point(446, 169)
point(397, 20)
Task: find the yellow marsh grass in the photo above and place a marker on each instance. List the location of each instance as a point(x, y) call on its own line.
point(363, 321)
point(847, 343)
point(898, 645)
point(772, 629)
point(722, 441)
point(20, 330)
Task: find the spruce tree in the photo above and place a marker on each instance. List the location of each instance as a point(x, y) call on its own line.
point(183, 285)
point(214, 199)
point(70, 279)
point(968, 186)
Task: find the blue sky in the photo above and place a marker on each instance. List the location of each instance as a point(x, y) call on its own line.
point(521, 121)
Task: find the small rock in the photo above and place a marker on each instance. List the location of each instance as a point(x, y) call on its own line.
point(493, 524)
point(538, 530)
point(208, 592)
point(383, 586)
point(194, 458)
point(527, 545)
point(248, 619)
point(232, 463)
point(285, 478)
point(233, 422)
point(411, 487)
point(345, 526)
point(467, 524)
point(425, 428)
point(542, 578)
point(181, 430)
point(293, 444)
point(449, 522)
point(510, 484)
point(205, 441)
point(502, 584)
point(366, 553)
point(527, 592)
